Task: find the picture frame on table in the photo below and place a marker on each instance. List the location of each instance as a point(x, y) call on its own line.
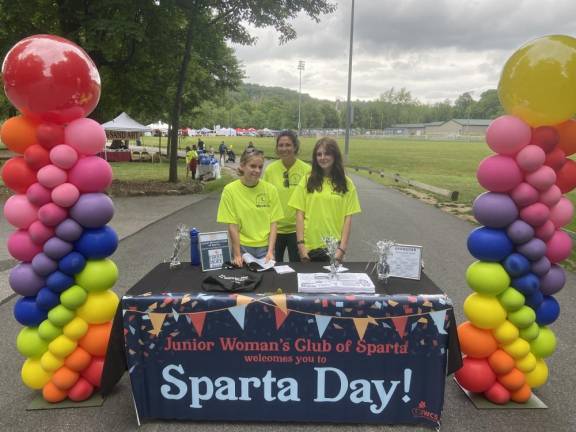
point(214, 248)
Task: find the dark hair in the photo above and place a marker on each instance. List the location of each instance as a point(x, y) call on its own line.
point(193, 146)
point(246, 155)
point(337, 175)
point(293, 137)
point(187, 148)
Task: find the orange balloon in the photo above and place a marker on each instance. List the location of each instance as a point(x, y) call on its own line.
point(513, 380)
point(567, 133)
point(95, 341)
point(18, 133)
point(522, 394)
point(78, 360)
point(65, 378)
point(501, 362)
point(52, 393)
point(475, 342)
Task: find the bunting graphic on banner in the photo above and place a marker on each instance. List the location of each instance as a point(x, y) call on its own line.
point(438, 317)
point(361, 325)
point(322, 322)
point(280, 301)
point(198, 322)
point(157, 319)
point(280, 317)
point(175, 314)
point(243, 300)
point(238, 312)
point(400, 325)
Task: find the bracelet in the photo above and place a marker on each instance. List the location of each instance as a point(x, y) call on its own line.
point(341, 250)
point(300, 242)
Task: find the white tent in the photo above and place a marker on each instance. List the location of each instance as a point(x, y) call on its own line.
point(159, 125)
point(226, 132)
point(124, 123)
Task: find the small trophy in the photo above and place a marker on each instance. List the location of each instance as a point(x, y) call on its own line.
point(180, 240)
point(383, 248)
point(332, 245)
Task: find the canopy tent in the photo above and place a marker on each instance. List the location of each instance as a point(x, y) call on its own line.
point(124, 127)
point(160, 126)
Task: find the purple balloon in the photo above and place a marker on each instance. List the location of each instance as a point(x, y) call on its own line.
point(520, 232)
point(533, 249)
point(553, 281)
point(93, 210)
point(24, 280)
point(56, 248)
point(43, 265)
point(495, 210)
point(69, 230)
point(541, 267)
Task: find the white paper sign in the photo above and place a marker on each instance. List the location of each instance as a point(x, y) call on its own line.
point(405, 261)
point(214, 249)
point(342, 283)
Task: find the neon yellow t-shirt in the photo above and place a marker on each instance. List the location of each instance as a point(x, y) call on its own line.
point(253, 209)
point(275, 174)
point(192, 154)
point(324, 211)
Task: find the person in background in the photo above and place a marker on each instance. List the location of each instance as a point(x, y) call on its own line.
point(250, 145)
point(325, 201)
point(286, 173)
point(200, 145)
point(191, 161)
point(222, 151)
point(251, 208)
point(211, 151)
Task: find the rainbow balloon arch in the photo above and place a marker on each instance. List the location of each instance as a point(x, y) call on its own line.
point(60, 212)
point(521, 244)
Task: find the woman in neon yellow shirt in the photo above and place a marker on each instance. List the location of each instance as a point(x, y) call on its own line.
point(251, 208)
point(325, 202)
point(286, 174)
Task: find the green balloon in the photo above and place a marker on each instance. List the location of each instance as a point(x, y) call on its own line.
point(545, 343)
point(49, 331)
point(523, 317)
point(30, 344)
point(531, 332)
point(98, 275)
point(511, 299)
point(60, 315)
point(487, 278)
point(73, 297)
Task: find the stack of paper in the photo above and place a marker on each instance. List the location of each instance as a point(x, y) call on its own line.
point(341, 283)
point(249, 259)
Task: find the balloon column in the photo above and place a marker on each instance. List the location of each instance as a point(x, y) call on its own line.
point(521, 245)
point(59, 212)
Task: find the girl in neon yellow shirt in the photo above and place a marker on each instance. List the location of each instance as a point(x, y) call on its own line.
point(251, 208)
point(324, 201)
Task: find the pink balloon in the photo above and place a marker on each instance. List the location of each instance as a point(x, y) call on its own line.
point(499, 173)
point(65, 195)
point(38, 194)
point(63, 156)
point(86, 136)
point(21, 246)
point(51, 176)
point(19, 212)
point(50, 214)
point(40, 233)
point(524, 195)
point(91, 174)
point(561, 214)
point(546, 231)
point(507, 135)
point(530, 158)
point(559, 247)
point(542, 178)
point(551, 196)
point(535, 214)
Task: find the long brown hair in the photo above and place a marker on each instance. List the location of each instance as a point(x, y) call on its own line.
point(337, 174)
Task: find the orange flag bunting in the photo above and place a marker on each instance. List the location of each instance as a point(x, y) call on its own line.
point(361, 325)
point(198, 321)
point(243, 300)
point(157, 319)
point(400, 325)
point(280, 317)
point(280, 301)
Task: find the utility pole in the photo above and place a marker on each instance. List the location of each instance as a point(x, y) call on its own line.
point(301, 64)
point(349, 103)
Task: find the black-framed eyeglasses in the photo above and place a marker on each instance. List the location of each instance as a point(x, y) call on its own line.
point(286, 179)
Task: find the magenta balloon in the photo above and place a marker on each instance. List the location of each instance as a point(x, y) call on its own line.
point(56, 248)
point(40, 233)
point(494, 210)
point(69, 230)
point(561, 214)
point(535, 214)
point(63, 156)
point(65, 195)
point(19, 212)
point(21, 246)
point(553, 281)
point(50, 214)
point(86, 136)
point(551, 196)
point(530, 158)
point(546, 231)
point(524, 195)
point(541, 266)
point(507, 135)
point(91, 174)
point(38, 194)
point(24, 280)
point(51, 176)
point(559, 247)
point(533, 249)
point(43, 265)
point(520, 232)
point(499, 173)
point(542, 179)
point(93, 210)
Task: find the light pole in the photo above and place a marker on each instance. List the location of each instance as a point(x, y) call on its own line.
point(301, 64)
point(349, 103)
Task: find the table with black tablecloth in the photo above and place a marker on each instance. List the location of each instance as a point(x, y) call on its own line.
point(278, 355)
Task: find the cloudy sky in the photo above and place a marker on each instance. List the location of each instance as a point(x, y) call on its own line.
point(436, 49)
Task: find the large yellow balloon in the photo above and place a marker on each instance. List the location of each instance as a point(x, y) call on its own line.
point(99, 307)
point(539, 375)
point(33, 376)
point(538, 82)
point(484, 311)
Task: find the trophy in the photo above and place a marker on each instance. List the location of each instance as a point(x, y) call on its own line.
point(383, 248)
point(332, 245)
point(180, 240)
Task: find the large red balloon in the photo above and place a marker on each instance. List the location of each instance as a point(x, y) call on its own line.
point(476, 375)
point(51, 78)
point(566, 176)
point(17, 175)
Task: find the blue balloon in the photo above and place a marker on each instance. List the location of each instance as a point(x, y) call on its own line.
point(72, 263)
point(489, 244)
point(27, 312)
point(548, 311)
point(527, 284)
point(59, 281)
point(46, 299)
point(97, 243)
point(516, 265)
point(534, 300)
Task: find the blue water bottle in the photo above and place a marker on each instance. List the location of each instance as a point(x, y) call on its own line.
point(194, 250)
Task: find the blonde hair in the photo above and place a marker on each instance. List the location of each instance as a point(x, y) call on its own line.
point(248, 154)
